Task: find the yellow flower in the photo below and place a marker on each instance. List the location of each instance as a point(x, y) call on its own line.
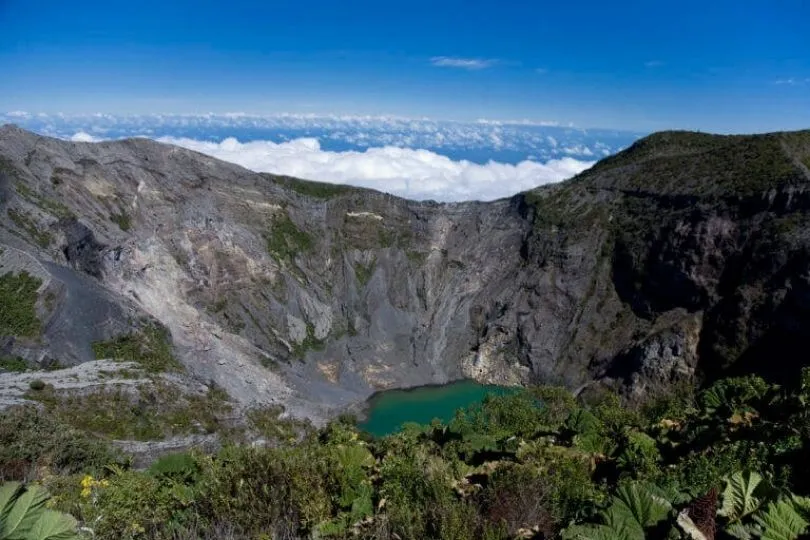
point(87, 481)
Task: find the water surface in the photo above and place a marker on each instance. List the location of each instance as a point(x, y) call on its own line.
point(390, 409)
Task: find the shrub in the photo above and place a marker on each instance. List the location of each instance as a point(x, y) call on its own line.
point(131, 504)
point(13, 364)
point(150, 347)
point(147, 412)
point(37, 385)
point(265, 490)
point(30, 437)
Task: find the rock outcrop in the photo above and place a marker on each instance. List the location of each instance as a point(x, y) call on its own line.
point(684, 255)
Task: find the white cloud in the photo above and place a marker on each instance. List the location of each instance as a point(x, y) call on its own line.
point(82, 136)
point(523, 122)
point(462, 63)
point(653, 64)
point(416, 174)
point(792, 81)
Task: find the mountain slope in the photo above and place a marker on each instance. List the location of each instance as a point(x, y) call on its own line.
point(685, 252)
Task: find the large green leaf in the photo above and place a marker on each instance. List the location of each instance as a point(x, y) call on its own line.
point(740, 531)
point(646, 504)
point(354, 456)
point(8, 494)
point(635, 507)
point(53, 525)
point(781, 521)
point(741, 496)
point(22, 515)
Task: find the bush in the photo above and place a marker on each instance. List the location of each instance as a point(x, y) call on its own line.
point(31, 438)
point(148, 412)
point(13, 364)
point(37, 385)
point(151, 347)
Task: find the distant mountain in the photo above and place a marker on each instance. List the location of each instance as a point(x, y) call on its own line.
point(684, 256)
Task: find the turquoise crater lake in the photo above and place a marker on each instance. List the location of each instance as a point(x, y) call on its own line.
point(388, 410)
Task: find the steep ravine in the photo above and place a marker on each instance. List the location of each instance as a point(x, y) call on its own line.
point(684, 254)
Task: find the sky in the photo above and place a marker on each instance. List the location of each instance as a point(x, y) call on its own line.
point(717, 65)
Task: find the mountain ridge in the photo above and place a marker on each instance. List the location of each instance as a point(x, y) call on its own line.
point(317, 295)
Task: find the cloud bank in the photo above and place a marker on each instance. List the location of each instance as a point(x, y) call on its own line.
point(480, 141)
point(415, 174)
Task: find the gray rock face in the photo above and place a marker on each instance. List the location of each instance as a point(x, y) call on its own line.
point(315, 296)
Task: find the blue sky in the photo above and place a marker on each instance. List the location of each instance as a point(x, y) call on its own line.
point(714, 65)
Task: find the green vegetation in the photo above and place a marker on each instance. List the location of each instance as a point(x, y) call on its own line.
point(317, 190)
point(705, 165)
point(149, 411)
point(24, 515)
point(32, 439)
point(310, 342)
point(268, 423)
point(37, 385)
point(150, 347)
point(218, 306)
point(416, 257)
point(18, 296)
point(364, 272)
point(24, 222)
point(123, 220)
point(55, 208)
point(566, 206)
point(727, 462)
point(13, 364)
point(285, 240)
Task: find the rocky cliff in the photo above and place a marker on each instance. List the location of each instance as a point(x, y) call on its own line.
point(684, 255)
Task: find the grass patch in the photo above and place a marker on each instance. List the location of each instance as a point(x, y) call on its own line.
point(30, 438)
point(316, 190)
point(149, 347)
point(18, 296)
point(416, 257)
point(285, 240)
point(218, 306)
point(49, 205)
point(310, 343)
point(15, 364)
point(24, 222)
point(364, 272)
point(123, 220)
point(148, 412)
point(267, 423)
